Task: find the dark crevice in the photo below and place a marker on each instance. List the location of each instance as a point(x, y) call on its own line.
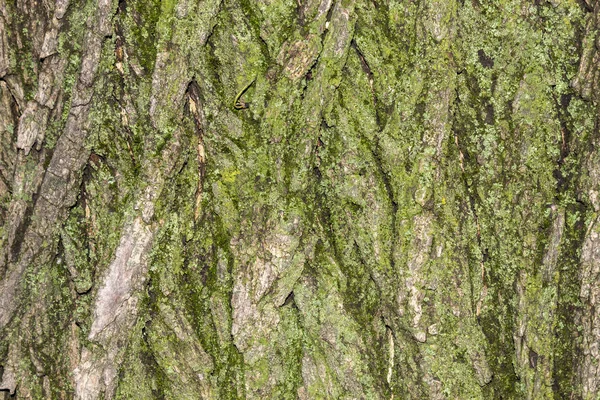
point(194, 108)
point(375, 149)
point(193, 105)
point(81, 202)
point(254, 24)
point(122, 7)
point(358, 301)
point(485, 60)
point(330, 11)
point(567, 354)
point(472, 206)
point(309, 75)
point(22, 229)
point(569, 188)
point(533, 359)
point(212, 28)
point(300, 14)
point(381, 115)
point(367, 70)
point(376, 153)
point(377, 157)
point(265, 47)
point(150, 363)
point(561, 106)
point(42, 60)
point(585, 6)
point(289, 300)
point(363, 62)
point(324, 214)
point(147, 357)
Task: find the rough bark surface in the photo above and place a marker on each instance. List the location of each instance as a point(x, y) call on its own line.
point(299, 199)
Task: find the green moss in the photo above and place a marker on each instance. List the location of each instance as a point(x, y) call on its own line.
point(140, 23)
point(423, 162)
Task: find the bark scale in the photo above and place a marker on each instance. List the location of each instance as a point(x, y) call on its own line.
point(229, 199)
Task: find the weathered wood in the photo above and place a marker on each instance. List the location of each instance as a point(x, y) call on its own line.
point(309, 199)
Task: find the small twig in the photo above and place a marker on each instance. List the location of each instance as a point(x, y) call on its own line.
point(237, 103)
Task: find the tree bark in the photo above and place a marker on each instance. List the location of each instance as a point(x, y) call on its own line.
point(299, 199)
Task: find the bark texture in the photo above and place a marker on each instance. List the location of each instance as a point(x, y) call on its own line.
point(299, 199)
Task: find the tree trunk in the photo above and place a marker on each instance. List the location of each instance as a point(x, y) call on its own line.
point(299, 199)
